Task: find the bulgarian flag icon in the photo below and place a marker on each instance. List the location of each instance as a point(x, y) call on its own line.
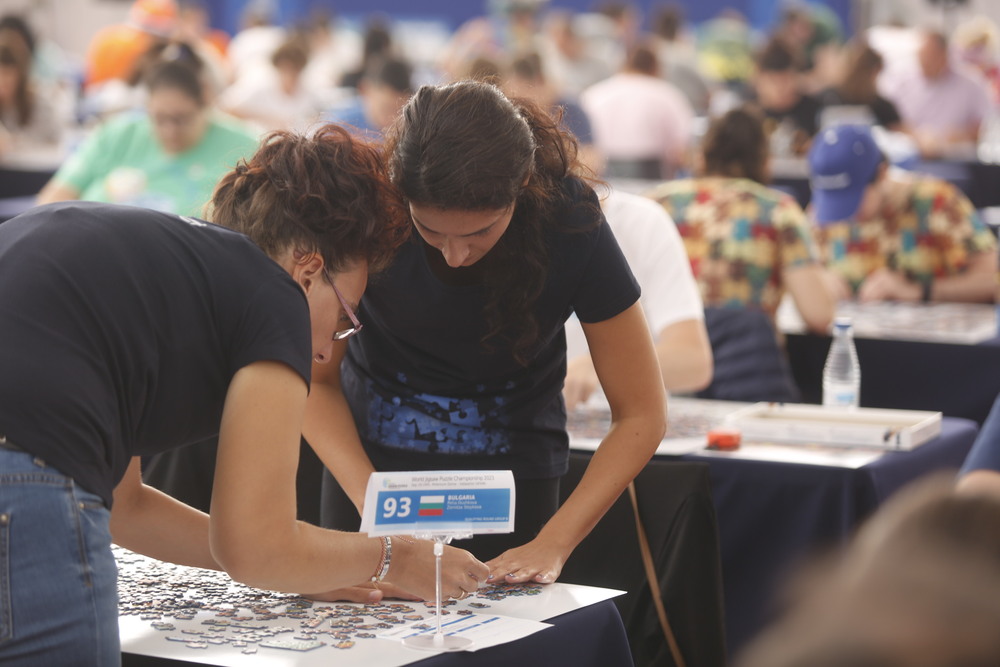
point(431, 506)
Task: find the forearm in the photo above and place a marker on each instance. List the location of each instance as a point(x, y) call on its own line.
point(971, 286)
point(627, 448)
point(684, 354)
point(152, 523)
point(329, 428)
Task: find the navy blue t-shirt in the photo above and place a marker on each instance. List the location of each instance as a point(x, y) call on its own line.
point(422, 387)
point(121, 328)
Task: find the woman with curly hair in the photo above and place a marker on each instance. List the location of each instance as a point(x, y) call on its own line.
point(462, 362)
point(128, 332)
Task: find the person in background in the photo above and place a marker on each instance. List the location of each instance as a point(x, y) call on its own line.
point(129, 332)
point(572, 63)
point(678, 60)
point(815, 34)
point(891, 235)
point(670, 301)
point(725, 53)
point(27, 120)
point(114, 50)
point(748, 244)
point(856, 86)
point(382, 92)
point(376, 44)
point(942, 107)
point(509, 29)
point(980, 472)
point(525, 77)
point(977, 45)
point(276, 100)
point(919, 586)
point(642, 124)
point(250, 50)
point(463, 356)
point(792, 116)
point(168, 158)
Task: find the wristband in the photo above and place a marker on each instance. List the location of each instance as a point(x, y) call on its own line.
point(382, 569)
point(925, 290)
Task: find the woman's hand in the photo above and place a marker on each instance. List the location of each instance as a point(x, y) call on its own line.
point(536, 561)
point(412, 570)
point(367, 594)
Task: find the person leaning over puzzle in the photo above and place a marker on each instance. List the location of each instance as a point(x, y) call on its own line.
point(892, 235)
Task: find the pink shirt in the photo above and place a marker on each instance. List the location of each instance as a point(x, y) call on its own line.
point(953, 102)
point(638, 117)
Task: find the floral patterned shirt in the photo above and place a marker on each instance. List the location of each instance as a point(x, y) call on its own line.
point(739, 236)
point(929, 232)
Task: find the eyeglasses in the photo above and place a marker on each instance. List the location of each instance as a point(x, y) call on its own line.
point(344, 333)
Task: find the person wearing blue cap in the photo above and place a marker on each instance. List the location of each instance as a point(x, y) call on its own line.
point(891, 235)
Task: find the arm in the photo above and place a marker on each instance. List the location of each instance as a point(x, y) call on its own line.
point(253, 532)
point(812, 293)
point(976, 284)
point(55, 191)
point(181, 532)
point(685, 356)
point(626, 366)
point(329, 428)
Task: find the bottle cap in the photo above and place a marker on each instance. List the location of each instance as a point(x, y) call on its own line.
point(842, 322)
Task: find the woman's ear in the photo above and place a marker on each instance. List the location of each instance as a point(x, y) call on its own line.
point(308, 270)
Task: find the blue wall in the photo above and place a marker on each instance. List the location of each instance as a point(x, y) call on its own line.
point(761, 13)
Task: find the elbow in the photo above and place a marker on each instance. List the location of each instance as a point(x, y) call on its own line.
point(250, 562)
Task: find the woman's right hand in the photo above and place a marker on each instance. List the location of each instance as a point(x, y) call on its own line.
point(412, 569)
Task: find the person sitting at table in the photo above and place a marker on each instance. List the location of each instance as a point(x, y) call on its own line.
point(891, 235)
point(980, 472)
point(919, 586)
point(747, 243)
point(384, 88)
point(941, 106)
point(642, 124)
point(169, 158)
point(128, 332)
point(792, 117)
point(856, 86)
point(27, 120)
point(670, 301)
point(274, 98)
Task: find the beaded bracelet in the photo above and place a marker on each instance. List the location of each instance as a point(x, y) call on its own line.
point(384, 560)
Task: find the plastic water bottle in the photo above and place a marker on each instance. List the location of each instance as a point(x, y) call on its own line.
point(842, 374)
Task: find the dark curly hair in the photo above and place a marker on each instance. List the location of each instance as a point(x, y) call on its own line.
point(466, 146)
point(736, 145)
point(326, 193)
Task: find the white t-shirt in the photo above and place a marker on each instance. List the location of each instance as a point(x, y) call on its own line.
point(655, 252)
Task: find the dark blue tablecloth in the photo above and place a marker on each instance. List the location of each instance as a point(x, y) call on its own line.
point(772, 515)
point(957, 380)
point(593, 636)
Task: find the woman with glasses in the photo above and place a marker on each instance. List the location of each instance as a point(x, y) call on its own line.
point(167, 159)
point(463, 355)
point(127, 332)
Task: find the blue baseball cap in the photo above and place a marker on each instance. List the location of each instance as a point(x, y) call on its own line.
point(843, 160)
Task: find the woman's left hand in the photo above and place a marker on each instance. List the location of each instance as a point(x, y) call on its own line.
point(535, 561)
point(364, 594)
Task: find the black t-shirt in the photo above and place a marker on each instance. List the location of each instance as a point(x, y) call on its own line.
point(883, 110)
point(803, 115)
point(121, 328)
point(425, 393)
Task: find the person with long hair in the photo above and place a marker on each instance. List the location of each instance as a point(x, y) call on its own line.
point(856, 86)
point(129, 332)
point(27, 120)
point(462, 362)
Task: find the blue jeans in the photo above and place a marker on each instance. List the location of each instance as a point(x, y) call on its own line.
point(58, 578)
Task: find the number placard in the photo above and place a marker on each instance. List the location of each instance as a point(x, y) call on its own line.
point(441, 502)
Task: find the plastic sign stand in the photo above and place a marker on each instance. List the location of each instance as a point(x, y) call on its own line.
point(439, 505)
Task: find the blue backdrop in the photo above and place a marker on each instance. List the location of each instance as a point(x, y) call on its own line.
point(226, 14)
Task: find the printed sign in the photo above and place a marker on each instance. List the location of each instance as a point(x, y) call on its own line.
point(439, 502)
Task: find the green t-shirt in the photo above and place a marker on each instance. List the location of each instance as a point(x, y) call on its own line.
point(122, 162)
